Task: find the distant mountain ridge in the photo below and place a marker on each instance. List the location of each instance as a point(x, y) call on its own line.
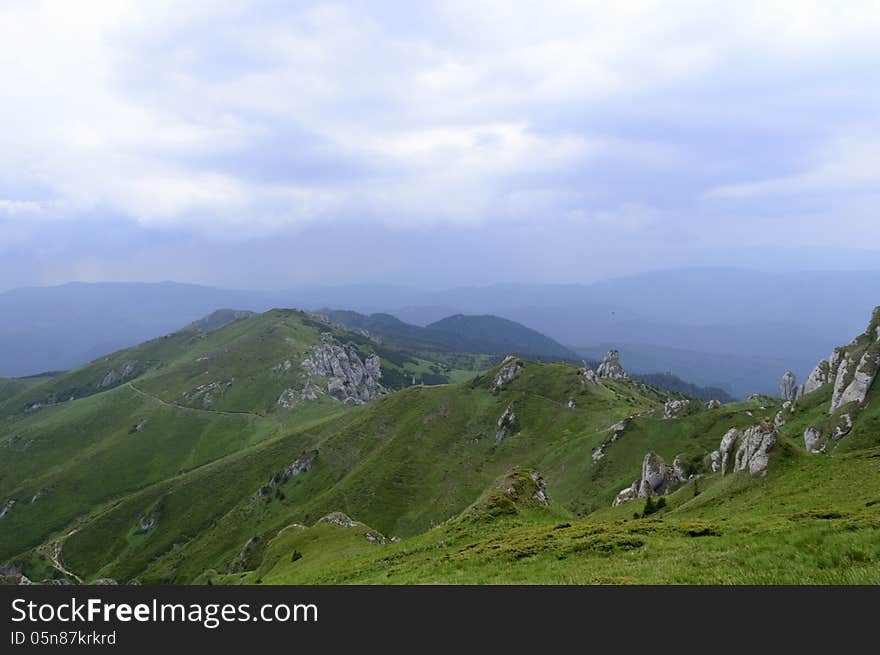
point(488, 334)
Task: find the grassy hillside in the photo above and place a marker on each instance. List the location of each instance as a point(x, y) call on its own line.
point(144, 415)
point(505, 476)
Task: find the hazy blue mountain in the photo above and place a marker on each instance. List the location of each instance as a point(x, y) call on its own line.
point(736, 329)
point(55, 328)
point(475, 334)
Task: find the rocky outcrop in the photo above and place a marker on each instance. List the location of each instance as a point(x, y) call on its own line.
point(854, 381)
point(205, 394)
point(617, 431)
point(510, 368)
point(813, 441)
point(340, 519)
point(590, 376)
point(7, 506)
point(778, 420)
point(754, 449)
point(290, 398)
point(350, 379)
point(507, 424)
point(610, 368)
point(111, 378)
point(713, 404)
point(657, 478)
point(151, 520)
point(540, 494)
point(788, 386)
point(292, 470)
point(675, 408)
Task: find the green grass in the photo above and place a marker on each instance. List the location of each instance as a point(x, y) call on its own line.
point(422, 464)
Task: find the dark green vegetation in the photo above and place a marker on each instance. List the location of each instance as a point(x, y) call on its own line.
point(141, 479)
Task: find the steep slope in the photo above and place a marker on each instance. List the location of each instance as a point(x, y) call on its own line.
point(517, 475)
point(149, 413)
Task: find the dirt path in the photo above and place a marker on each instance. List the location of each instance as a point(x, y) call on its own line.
point(53, 552)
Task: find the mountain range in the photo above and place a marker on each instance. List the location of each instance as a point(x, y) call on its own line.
point(281, 447)
point(729, 328)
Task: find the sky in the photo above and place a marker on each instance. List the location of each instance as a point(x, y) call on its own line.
point(273, 144)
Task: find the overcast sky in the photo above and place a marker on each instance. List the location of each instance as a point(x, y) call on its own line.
point(272, 144)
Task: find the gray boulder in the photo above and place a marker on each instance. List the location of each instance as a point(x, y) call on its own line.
point(813, 441)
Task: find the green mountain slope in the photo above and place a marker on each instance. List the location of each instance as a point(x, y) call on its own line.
point(149, 413)
point(522, 473)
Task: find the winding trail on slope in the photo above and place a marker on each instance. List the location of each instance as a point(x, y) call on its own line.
point(184, 408)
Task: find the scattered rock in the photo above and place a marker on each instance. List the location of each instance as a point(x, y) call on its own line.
point(610, 368)
point(675, 408)
point(507, 424)
point(778, 420)
point(340, 519)
point(679, 473)
point(540, 494)
point(283, 367)
point(205, 393)
point(713, 404)
point(570, 404)
point(104, 582)
point(590, 376)
point(7, 506)
point(137, 427)
point(843, 428)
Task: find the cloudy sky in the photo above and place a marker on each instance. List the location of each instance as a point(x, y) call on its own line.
point(273, 144)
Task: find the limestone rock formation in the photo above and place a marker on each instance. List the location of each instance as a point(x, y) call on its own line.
point(590, 376)
point(657, 478)
point(728, 441)
point(507, 424)
point(350, 379)
point(128, 370)
point(340, 519)
point(297, 467)
point(813, 441)
point(510, 369)
point(617, 431)
point(788, 386)
point(854, 381)
point(610, 368)
point(713, 404)
point(7, 506)
point(754, 449)
point(675, 408)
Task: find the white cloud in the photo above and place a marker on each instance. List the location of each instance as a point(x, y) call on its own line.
point(475, 112)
